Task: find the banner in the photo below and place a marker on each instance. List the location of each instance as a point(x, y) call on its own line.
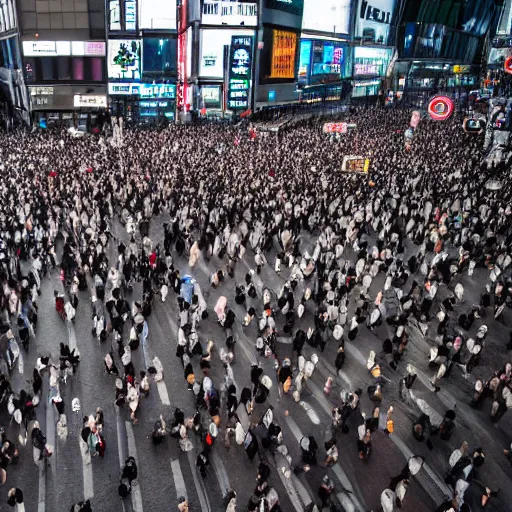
point(355, 164)
point(335, 128)
point(284, 48)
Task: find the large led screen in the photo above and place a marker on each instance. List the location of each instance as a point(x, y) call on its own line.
point(212, 50)
point(124, 58)
point(332, 16)
point(159, 55)
point(284, 49)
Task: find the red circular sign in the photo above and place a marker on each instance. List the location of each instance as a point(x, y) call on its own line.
point(440, 108)
point(508, 65)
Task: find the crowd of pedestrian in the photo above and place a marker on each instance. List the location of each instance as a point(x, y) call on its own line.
point(426, 215)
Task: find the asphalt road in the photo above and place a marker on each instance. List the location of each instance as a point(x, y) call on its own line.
point(165, 473)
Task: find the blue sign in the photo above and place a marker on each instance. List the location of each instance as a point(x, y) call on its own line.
point(42, 123)
point(271, 95)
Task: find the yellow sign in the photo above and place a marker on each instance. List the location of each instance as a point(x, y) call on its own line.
point(355, 164)
point(461, 69)
point(283, 54)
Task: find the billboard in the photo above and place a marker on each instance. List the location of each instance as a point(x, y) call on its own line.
point(155, 14)
point(211, 62)
point(124, 59)
point(373, 20)
point(284, 49)
point(240, 72)
point(332, 16)
point(159, 56)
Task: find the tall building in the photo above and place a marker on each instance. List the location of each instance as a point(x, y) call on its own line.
point(14, 104)
point(141, 61)
point(63, 51)
point(441, 44)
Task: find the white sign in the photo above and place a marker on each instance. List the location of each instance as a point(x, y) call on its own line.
point(124, 89)
point(373, 20)
point(212, 50)
point(64, 48)
point(331, 16)
point(218, 12)
point(156, 14)
point(90, 101)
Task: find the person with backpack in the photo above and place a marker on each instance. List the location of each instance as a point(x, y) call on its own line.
point(38, 443)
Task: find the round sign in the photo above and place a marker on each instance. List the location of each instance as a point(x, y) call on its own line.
point(440, 108)
point(508, 65)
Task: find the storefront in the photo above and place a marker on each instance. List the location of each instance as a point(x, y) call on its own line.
point(138, 102)
point(68, 106)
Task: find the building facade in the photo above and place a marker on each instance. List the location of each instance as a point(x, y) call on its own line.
point(14, 103)
point(64, 60)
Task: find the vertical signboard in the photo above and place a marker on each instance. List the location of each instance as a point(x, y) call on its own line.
point(240, 72)
point(284, 47)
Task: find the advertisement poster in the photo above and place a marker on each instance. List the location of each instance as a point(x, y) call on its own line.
point(284, 48)
point(332, 16)
point(373, 20)
point(124, 59)
point(240, 72)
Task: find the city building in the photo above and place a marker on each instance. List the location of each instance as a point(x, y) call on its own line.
point(14, 104)
point(63, 49)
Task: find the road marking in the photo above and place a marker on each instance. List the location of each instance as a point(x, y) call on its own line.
point(41, 498)
point(71, 335)
point(199, 484)
point(292, 492)
point(132, 451)
point(312, 415)
point(445, 491)
point(179, 482)
point(88, 483)
point(220, 473)
point(162, 391)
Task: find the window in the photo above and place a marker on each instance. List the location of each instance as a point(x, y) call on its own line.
point(63, 68)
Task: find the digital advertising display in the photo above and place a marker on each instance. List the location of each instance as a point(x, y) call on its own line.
point(124, 59)
point(373, 20)
point(211, 62)
point(327, 58)
point(240, 72)
point(159, 56)
point(332, 16)
point(284, 49)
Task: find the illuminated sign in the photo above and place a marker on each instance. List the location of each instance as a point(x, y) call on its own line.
point(143, 90)
point(440, 108)
point(80, 100)
point(240, 72)
point(507, 66)
point(355, 164)
point(64, 48)
point(124, 89)
point(155, 14)
point(158, 91)
point(284, 48)
point(366, 69)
